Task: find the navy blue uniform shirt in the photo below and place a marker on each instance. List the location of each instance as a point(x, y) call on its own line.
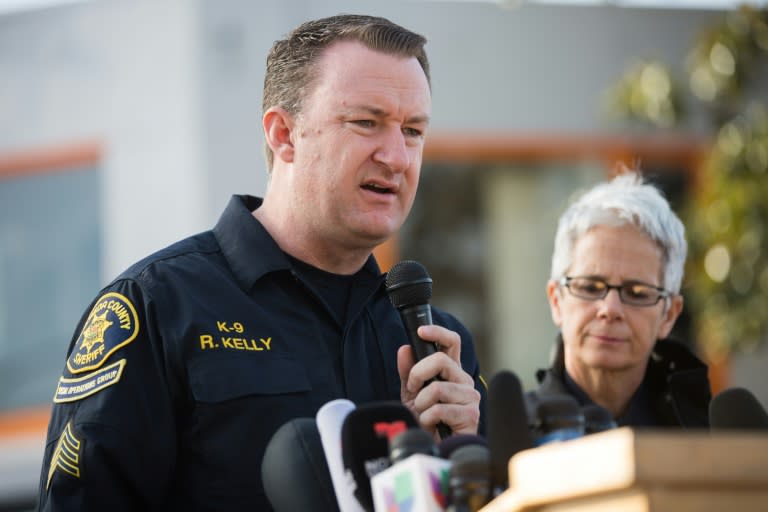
point(182, 368)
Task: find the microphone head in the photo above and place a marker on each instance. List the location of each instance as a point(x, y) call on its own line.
point(294, 459)
point(508, 430)
point(365, 437)
point(408, 284)
point(472, 460)
point(470, 477)
point(597, 419)
point(452, 443)
point(737, 408)
point(558, 418)
point(410, 442)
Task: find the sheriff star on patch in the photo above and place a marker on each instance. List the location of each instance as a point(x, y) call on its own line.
point(111, 324)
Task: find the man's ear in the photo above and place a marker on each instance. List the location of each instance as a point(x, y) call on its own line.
point(278, 124)
point(553, 296)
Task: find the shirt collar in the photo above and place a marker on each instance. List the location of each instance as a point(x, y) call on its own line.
point(249, 248)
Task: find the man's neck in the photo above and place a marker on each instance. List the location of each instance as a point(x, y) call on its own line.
point(293, 237)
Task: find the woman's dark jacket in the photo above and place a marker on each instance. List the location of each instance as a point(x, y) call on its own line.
point(676, 382)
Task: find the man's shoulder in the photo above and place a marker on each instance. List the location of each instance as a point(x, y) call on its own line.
point(183, 253)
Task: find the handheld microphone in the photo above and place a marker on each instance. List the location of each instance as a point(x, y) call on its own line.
point(508, 430)
point(330, 419)
point(294, 470)
point(737, 408)
point(417, 478)
point(558, 418)
point(597, 419)
point(409, 288)
point(365, 438)
point(470, 478)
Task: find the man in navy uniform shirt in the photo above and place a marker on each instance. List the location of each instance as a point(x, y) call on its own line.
point(183, 367)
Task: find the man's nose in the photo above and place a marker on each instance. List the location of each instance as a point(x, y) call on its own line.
point(393, 151)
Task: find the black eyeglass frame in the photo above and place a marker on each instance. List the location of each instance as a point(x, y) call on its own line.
point(663, 293)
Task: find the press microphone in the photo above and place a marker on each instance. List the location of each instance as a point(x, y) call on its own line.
point(330, 419)
point(294, 471)
point(365, 438)
point(417, 478)
point(508, 430)
point(558, 418)
point(597, 419)
point(469, 479)
point(410, 288)
point(737, 408)
point(410, 442)
point(456, 441)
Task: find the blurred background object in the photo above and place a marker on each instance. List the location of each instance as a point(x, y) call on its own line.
point(725, 209)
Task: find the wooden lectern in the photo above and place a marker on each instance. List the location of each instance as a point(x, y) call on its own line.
point(627, 470)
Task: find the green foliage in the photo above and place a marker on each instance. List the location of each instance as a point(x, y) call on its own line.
point(727, 211)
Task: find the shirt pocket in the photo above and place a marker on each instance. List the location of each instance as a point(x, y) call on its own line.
point(218, 380)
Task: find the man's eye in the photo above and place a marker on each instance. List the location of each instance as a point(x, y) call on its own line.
point(365, 123)
point(412, 132)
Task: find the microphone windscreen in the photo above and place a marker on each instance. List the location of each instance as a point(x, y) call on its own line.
point(330, 418)
point(365, 437)
point(410, 442)
point(470, 477)
point(737, 408)
point(450, 444)
point(508, 431)
point(294, 470)
point(597, 419)
point(472, 460)
point(558, 418)
point(408, 283)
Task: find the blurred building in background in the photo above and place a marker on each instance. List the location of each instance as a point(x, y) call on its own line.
point(127, 124)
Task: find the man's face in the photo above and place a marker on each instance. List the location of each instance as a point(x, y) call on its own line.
point(358, 145)
point(606, 334)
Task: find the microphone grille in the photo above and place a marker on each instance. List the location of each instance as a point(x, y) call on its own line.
point(471, 460)
point(408, 283)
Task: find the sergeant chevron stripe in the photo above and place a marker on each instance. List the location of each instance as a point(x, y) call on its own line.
point(66, 456)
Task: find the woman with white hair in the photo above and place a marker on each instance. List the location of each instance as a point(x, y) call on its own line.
point(614, 293)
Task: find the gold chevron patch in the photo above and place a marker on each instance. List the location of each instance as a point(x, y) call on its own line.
point(66, 456)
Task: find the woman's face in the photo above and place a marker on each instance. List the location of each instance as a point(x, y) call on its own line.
point(606, 334)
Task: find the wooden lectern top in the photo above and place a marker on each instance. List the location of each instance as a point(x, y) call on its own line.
point(641, 470)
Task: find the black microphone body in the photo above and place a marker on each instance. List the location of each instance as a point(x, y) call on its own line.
point(597, 419)
point(508, 429)
point(739, 409)
point(470, 478)
point(414, 317)
point(558, 418)
point(294, 470)
point(410, 288)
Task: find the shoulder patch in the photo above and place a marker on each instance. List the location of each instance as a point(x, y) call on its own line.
point(111, 324)
point(69, 390)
